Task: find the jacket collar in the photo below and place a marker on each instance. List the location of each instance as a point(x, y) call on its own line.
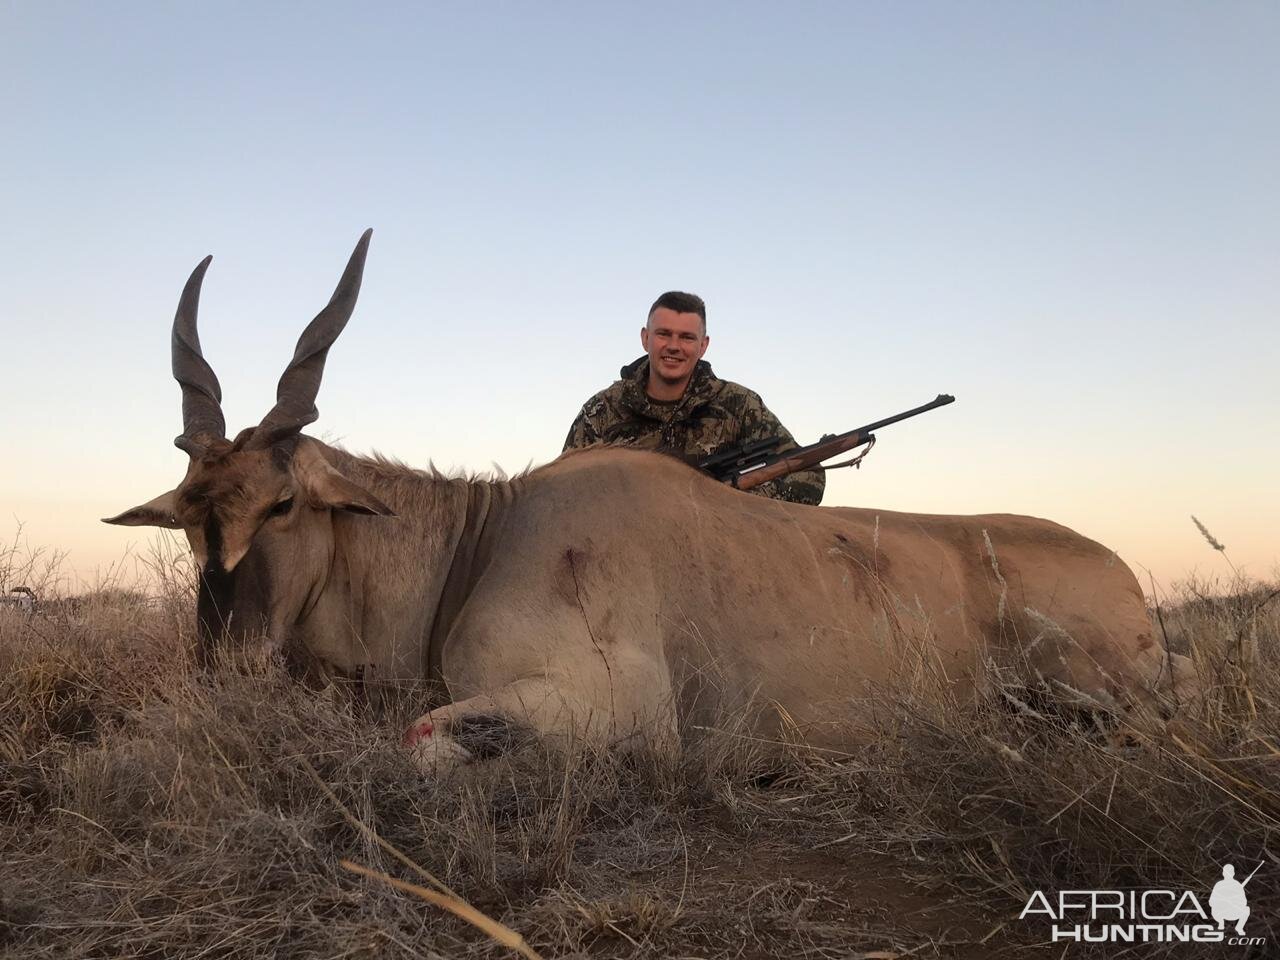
point(702, 387)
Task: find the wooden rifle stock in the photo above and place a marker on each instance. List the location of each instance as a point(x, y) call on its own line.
point(801, 458)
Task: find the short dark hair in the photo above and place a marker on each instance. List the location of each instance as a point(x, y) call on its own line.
point(681, 303)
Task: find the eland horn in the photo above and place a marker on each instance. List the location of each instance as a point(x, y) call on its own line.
point(296, 393)
point(202, 421)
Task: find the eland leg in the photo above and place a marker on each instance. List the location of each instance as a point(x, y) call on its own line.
point(487, 725)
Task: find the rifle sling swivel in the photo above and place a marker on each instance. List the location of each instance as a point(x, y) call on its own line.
point(852, 461)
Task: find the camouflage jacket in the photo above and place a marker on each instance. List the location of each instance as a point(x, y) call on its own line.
point(713, 415)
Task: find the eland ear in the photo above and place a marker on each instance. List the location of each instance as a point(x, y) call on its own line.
point(160, 512)
point(326, 487)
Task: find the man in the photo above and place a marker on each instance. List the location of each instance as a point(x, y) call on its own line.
point(670, 399)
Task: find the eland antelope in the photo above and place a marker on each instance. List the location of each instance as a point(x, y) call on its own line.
point(615, 593)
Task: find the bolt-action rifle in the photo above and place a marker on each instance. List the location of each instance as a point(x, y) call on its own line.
point(758, 462)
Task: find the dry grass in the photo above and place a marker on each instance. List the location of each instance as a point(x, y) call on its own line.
point(152, 811)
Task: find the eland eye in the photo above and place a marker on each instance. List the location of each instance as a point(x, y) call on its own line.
point(281, 508)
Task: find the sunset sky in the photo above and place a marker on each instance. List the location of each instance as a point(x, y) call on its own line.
point(1068, 216)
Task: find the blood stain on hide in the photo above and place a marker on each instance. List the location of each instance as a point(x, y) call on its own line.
point(421, 731)
point(568, 577)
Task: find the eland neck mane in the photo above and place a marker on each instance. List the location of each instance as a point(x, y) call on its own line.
point(427, 557)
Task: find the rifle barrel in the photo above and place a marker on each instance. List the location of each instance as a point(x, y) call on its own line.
point(940, 401)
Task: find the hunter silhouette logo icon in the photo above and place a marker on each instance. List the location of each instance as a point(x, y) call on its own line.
point(1155, 915)
point(1228, 902)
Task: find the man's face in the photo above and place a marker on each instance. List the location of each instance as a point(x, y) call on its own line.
point(675, 343)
